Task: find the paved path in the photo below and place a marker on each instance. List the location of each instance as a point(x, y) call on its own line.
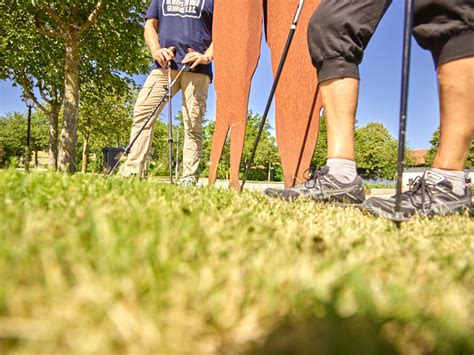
point(249, 185)
point(260, 186)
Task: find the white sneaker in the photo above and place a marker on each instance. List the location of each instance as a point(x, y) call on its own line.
point(188, 181)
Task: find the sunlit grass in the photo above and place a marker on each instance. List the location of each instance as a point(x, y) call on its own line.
point(94, 265)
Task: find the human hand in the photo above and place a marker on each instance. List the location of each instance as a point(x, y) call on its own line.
point(164, 55)
point(195, 58)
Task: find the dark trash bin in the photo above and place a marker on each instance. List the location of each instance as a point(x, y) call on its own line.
point(111, 157)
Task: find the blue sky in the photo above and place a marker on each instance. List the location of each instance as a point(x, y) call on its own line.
point(379, 89)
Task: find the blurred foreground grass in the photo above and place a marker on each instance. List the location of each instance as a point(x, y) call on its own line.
point(89, 265)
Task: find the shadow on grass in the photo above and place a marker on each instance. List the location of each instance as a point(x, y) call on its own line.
point(329, 335)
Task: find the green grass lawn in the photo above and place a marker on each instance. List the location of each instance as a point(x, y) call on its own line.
point(89, 265)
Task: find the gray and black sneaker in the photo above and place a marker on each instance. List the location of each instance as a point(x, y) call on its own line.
point(188, 181)
point(428, 195)
point(322, 186)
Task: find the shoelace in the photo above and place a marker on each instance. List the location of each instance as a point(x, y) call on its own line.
point(419, 186)
point(313, 175)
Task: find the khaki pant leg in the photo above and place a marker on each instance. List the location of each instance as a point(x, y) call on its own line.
point(194, 89)
point(151, 93)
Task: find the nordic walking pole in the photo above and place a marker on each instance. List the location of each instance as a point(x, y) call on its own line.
point(170, 115)
point(408, 29)
point(150, 116)
point(127, 150)
point(170, 124)
point(272, 92)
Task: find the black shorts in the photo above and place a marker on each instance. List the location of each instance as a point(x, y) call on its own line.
point(340, 30)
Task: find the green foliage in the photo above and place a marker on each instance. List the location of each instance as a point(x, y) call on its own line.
point(376, 151)
point(321, 151)
point(106, 35)
point(267, 153)
point(28, 57)
point(33, 61)
point(266, 156)
point(114, 46)
point(105, 118)
point(470, 157)
point(159, 164)
point(434, 148)
point(13, 133)
point(224, 164)
point(93, 265)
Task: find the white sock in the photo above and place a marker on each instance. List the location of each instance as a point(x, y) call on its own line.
point(456, 178)
point(343, 170)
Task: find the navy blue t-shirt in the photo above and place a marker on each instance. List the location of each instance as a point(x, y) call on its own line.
point(184, 24)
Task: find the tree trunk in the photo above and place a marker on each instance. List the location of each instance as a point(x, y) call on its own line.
point(269, 178)
point(67, 148)
point(85, 153)
point(53, 137)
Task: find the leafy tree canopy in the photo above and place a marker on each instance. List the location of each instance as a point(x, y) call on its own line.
point(13, 133)
point(50, 47)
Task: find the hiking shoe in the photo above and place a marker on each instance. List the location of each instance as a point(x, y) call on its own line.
point(129, 171)
point(127, 174)
point(322, 186)
point(424, 198)
point(188, 181)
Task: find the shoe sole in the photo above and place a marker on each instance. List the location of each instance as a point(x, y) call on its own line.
point(330, 200)
point(405, 216)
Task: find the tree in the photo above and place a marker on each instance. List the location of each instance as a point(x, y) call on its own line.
point(100, 39)
point(224, 164)
point(470, 157)
point(33, 61)
point(434, 148)
point(266, 158)
point(104, 119)
point(13, 133)
point(376, 151)
point(321, 151)
point(267, 153)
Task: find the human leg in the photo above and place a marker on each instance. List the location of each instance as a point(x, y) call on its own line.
point(338, 33)
point(151, 93)
point(340, 97)
point(446, 29)
point(456, 91)
point(337, 62)
point(338, 180)
point(456, 87)
point(195, 89)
